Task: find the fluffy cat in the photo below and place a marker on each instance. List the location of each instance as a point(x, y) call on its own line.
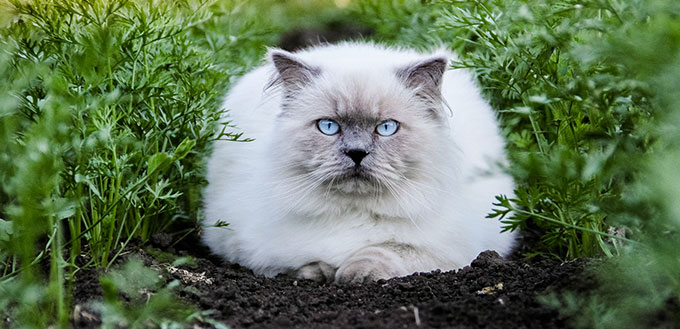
point(368, 162)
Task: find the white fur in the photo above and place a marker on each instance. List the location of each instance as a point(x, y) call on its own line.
point(273, 230)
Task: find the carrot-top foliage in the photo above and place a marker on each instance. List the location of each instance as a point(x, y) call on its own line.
point(107, 110)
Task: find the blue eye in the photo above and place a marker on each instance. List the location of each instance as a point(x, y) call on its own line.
point(387, 128)
point(328, 127)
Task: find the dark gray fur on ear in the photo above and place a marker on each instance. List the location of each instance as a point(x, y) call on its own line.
point(425, 75)
point(293, 73)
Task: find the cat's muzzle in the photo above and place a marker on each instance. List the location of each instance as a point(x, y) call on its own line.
point(354, 180)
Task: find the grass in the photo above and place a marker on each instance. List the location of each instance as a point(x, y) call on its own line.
point(109, 107)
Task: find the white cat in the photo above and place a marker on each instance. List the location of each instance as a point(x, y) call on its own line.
point(367, 162)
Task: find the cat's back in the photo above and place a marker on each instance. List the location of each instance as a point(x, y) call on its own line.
point(353, 57)
point(473, 123)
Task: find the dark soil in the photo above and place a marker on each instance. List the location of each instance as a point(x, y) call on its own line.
point(490, 293)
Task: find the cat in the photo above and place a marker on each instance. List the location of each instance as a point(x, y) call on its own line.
point(368, 162)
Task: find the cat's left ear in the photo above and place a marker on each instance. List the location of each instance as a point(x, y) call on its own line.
point(425, 75)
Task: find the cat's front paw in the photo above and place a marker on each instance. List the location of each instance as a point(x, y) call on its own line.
point(370, 264)
point(316, 271)
point(362, 271)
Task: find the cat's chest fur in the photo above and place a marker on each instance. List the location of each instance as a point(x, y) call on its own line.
point(370, 161)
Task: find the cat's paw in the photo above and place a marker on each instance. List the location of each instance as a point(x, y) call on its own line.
point(362, 271)
point(316, 271)
point(370, 264)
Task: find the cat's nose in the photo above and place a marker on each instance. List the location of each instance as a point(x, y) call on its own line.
point(357, 155)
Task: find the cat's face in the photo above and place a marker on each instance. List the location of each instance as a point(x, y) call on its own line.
point(358, 132)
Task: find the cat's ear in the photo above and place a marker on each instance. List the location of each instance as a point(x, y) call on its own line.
point(291, 72)
point(425, 75)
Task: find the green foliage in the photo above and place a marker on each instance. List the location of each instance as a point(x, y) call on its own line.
point(239, 31)
point(587, 93)
point(401, 22)
point(136, 102)
point(31, 161)
point(574, 125)
point(24, 305)
point(107, 111)
point(639, 288)
point(576, 122)
point(148, 303)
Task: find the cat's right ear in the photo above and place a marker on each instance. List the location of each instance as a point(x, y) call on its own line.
point(291, 72)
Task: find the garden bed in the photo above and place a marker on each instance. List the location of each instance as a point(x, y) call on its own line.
point(108, 113)
point(490, 293)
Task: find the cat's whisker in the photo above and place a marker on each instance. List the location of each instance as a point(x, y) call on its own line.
point(423, 186)
point(293, 181)
point(298, 199)
point(287, 186)
point(377, 188)
point(395, 191)
point(419, 200)
point(430, 171)
point(287, 168)
point(313, 185)
point(399, 191)
point(279, 188)
point(328, 189)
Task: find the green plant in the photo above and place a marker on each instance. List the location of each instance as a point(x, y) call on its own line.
point(402, 22)
point(148, 301)
point(107, 111)
point(576, 124)
point(641, 288)
point(140, 103)
point(30, 176)
point(586, 90)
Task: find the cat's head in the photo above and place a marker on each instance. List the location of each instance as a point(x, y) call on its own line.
point(359, 130)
